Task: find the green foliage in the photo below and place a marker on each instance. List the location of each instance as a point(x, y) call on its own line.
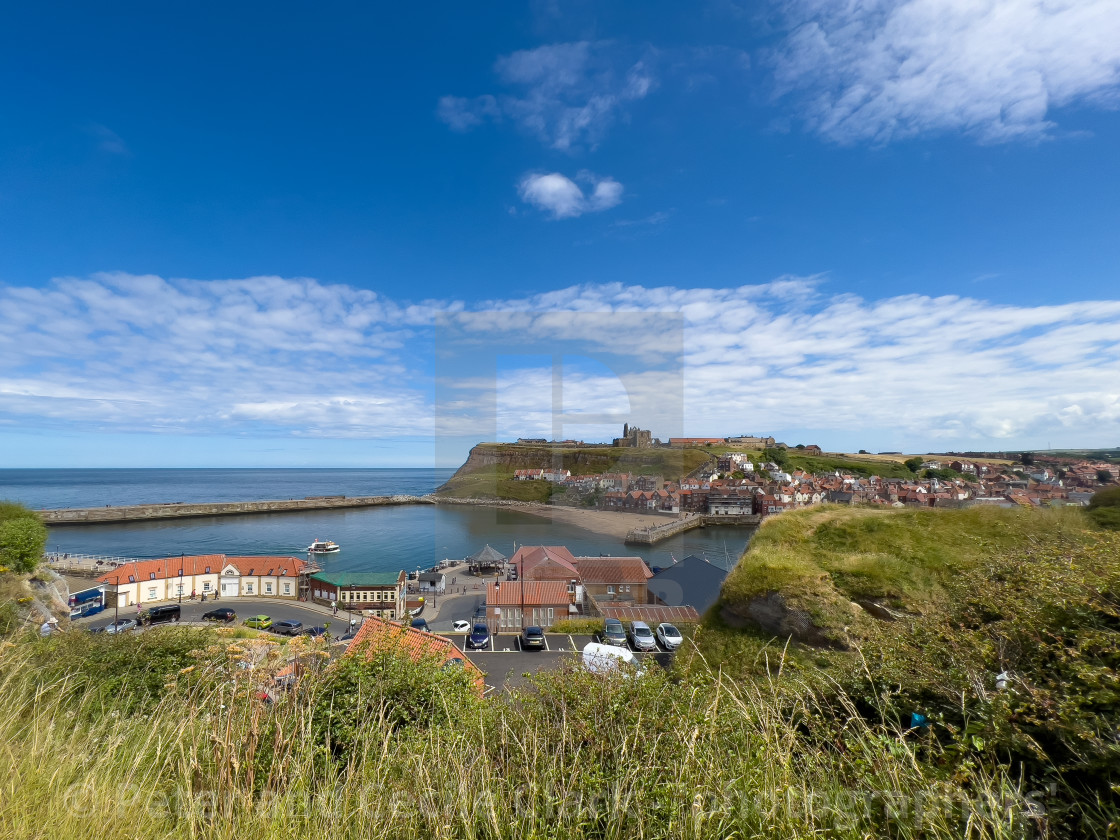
point(1104, 476)
point(579, 626)
point(1104, 508)
point(971, 594)
point(22, 538)
point(913, 464)
point(384, 689)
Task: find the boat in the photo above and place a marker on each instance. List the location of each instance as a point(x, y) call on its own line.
point(323, 547)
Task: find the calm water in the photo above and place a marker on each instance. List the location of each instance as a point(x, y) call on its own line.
point(372, 539)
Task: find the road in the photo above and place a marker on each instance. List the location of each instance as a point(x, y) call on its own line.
point(276, 610)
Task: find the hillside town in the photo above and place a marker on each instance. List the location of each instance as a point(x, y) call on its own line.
point(761, 482)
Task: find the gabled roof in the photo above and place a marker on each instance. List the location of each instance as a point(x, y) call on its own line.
point(377, 635)
point(692, 581)
point(594, 570)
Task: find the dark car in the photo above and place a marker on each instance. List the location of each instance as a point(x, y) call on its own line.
point(479, 637)
point(421, 624)
point(287, 628)
point(220, 614)
point(316, 631)
point(532, 638)
point(159, 615)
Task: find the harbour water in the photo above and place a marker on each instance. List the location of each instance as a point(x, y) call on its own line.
point(372, 539)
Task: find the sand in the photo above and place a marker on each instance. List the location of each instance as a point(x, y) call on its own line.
point(606, 522)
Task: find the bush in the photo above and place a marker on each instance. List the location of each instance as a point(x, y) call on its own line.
point(1104, 508)
point(22, 538)
point(578, 626)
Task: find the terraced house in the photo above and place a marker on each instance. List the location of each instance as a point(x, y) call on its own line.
point(171, 578)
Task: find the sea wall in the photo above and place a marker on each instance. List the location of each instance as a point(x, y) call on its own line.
point(649, 536)
point(134, 513)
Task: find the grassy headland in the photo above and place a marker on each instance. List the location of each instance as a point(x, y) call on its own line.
point(489, 469)
point(1001, 628)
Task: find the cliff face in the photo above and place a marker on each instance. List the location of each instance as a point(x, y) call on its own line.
point(503, 458)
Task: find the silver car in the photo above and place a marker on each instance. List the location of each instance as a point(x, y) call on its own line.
point(120, 625)
point(641, 637)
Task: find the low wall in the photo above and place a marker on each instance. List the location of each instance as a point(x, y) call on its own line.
point(133, 513)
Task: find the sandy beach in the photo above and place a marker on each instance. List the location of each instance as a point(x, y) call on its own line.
point(606, 522)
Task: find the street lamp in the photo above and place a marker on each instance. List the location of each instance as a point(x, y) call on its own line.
point(350, 606)
point(116, 599)
point(182, 557)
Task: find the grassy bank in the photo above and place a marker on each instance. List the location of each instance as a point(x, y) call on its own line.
point(391, 750)
point(1000, 627)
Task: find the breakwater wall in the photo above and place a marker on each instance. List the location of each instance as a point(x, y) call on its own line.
point(182, 510)
point(649, 536)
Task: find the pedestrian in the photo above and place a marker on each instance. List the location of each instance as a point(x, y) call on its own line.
point(334, 608)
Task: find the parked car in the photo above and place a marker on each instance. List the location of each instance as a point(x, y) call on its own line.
point(460, 626)
point(608, 659)
point(120, 625)
point(316, 631)
point(261, 622)
point(421, 624)
point(613, 634)
point(641, 637)
point(532, 638)
point(287, 628)
point(220, 614)
point(669, 636)
point(479, 637)
point(159, 615)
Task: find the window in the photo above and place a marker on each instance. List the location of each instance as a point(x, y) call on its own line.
point(206, 586)
point(627, 587)
point(610, 589)
point(207, 570)
point(151, 593)
point(248, 589)
point(132, 579)
point(179, 589)
point(151, 576)
point(287, 588)
point(268, 588)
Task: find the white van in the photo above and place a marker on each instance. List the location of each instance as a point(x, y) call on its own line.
point(606, 659)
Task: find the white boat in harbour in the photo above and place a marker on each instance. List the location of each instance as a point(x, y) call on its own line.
point(323, 547)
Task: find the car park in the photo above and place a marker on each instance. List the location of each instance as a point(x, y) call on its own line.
point(220, 614)
point(479, 637)
point(460, 626)
point(260, 622)
point(421, 624)
point(120, 625)
point(532, 638)
point(613, 633)
point(287, 628)
point(669, 636)
point(641, 637)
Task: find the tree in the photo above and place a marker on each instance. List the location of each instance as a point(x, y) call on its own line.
point(914, 464)
point(22, 538)
point(1104, 476)
point(1104, 508)
point(1027, 458)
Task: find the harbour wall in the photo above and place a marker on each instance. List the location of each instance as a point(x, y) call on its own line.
point(140, 513)
point(650, 536)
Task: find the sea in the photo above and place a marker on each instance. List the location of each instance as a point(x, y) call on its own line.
point(391, 538)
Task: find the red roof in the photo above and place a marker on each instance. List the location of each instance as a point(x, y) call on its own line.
point(530, 593)
point(650, 613)
point(166, 568)
point(377, 634)
point(613, 570)
point(528, 557)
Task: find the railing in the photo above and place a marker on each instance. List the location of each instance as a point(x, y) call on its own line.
point(87, 562)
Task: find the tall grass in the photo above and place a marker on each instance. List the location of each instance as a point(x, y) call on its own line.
point(574, 755)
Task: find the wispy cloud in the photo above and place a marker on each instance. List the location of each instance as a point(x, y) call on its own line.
point(108, 140)
point(563, 198)
point(567, 95)
point(272, 356)
point(880, 70)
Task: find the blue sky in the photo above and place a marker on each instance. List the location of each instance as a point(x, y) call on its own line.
point(234, 234)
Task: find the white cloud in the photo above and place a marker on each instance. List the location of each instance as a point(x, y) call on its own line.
point(879, 70)
point(564, 199)
point(269, 356)
point(566, 94)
